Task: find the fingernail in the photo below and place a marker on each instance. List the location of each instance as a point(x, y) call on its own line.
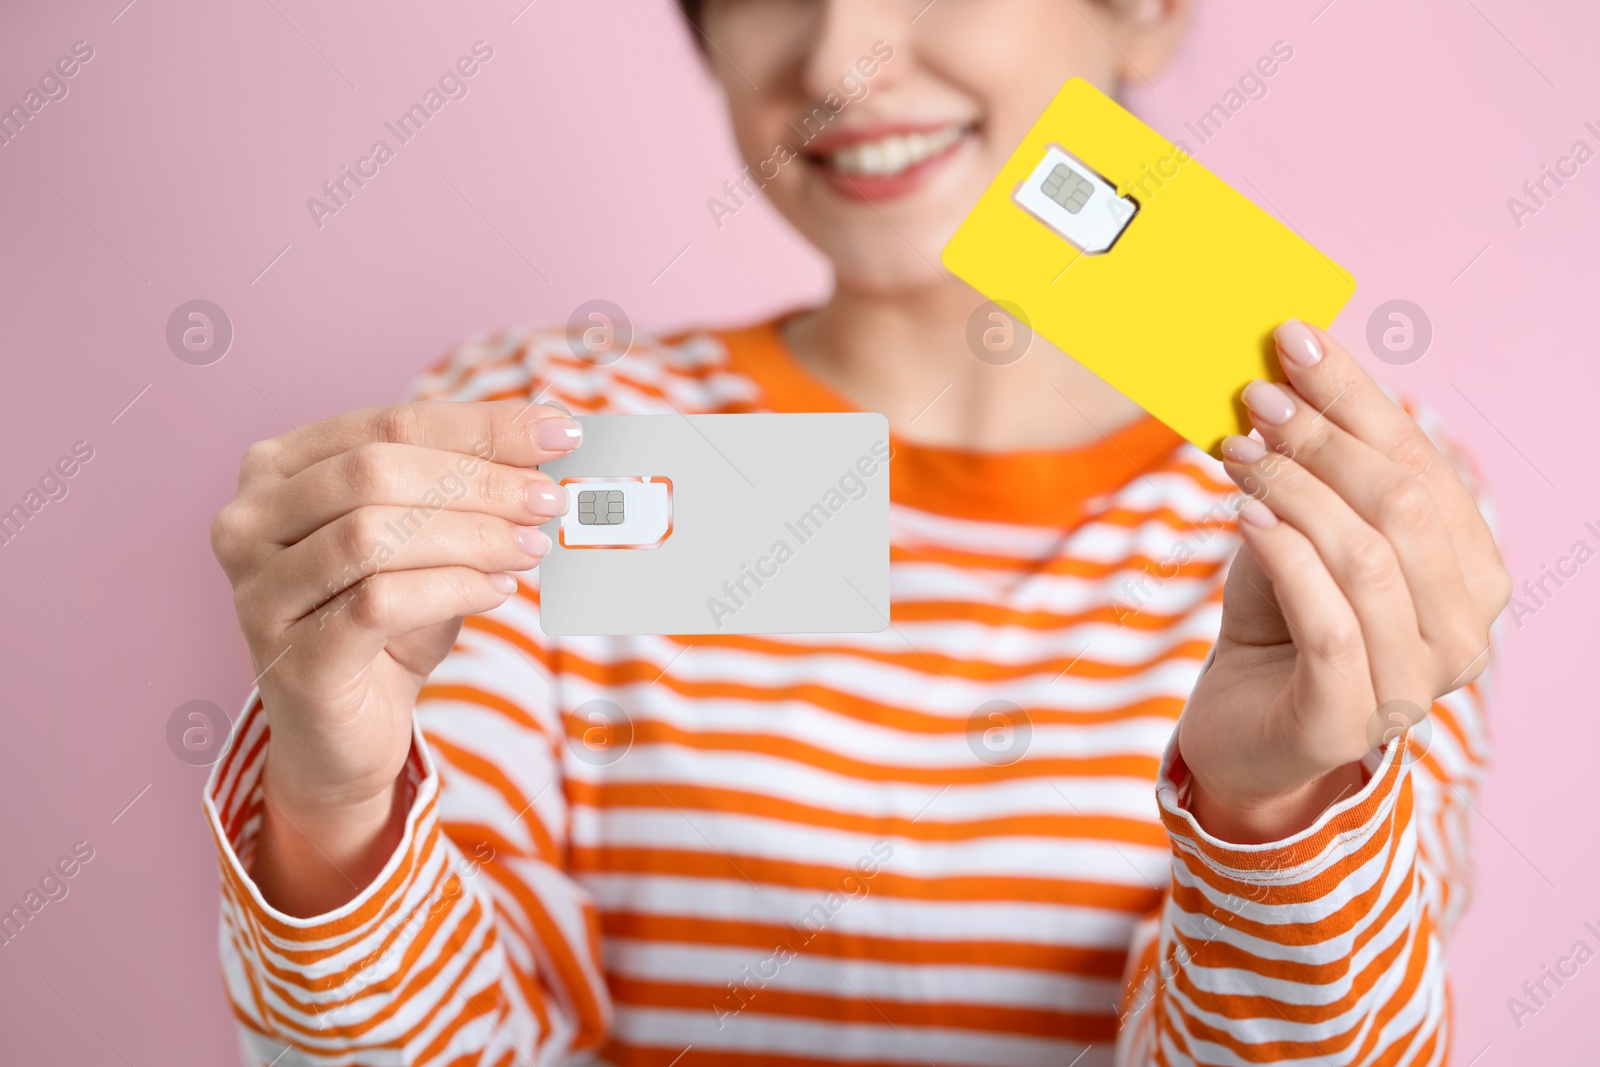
point(1243, 449)
point(1268, 403)
point(546, 498)
point(557, 434)
point(505, 583)
point(1298, 343)
point(1257, 514)
point(532, 540)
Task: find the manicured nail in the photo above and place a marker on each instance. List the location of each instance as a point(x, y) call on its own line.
point(1257, 514)
point(557, 434)
point(547, 498)
point(1243, 449)
point(1268, 403)
point(1298, 343)
point(505, 583)
point(532, 540)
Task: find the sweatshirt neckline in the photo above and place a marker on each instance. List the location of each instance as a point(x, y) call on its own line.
point(1031, 487)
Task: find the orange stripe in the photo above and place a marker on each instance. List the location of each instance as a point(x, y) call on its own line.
point(232, 810)
point(968, 772)
point(967, 561)
point(471, 694)
point(399, 987)
point(790, 1005)
point(770, 647)
point(620, 796)
point(384, 900)
point(1305, 849)
point(792, 874)
point(631, 671)
point(624, 1054)
point(1325, 881)
point(1242, 1007)
point(828, 943)
point(492, 777)
point(1124, 614)
point(287, 980)
point(931, 665)
point(582, 1001)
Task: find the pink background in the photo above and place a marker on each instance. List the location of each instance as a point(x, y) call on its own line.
point(591, 141)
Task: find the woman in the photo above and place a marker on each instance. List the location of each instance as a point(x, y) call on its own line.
point(932, 844)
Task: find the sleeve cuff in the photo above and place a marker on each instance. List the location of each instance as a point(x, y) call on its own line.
point(1345, 824)
point(233, 803)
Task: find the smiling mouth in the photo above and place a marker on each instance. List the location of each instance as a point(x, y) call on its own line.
point(894, 154)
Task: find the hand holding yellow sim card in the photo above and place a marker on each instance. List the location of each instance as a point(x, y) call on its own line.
point(1124, 252)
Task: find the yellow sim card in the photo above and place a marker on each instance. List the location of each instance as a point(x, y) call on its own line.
point(1124, 252)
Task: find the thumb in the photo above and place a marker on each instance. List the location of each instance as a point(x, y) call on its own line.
point(1250, 612)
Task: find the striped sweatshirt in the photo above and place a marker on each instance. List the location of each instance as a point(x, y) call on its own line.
point(962, 840)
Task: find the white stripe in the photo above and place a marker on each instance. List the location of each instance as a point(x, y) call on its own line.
point(875, 913)
point(753, 1033)
point(797, 970)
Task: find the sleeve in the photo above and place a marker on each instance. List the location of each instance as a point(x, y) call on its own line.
point(473, 945)
point(1326, 947)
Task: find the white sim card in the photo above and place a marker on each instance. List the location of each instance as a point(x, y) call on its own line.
point(617, 512)
point(1076, 202)
point(750, 523)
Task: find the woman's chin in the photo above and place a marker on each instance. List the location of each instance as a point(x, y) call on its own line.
point(871, 268)
point(890, 246)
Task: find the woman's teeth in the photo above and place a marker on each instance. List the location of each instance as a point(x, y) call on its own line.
point(895, 153)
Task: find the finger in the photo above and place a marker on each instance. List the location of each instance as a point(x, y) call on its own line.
point(370, 540)
point(1335, 683)
point(406, 476)
point(516, 432)
point(1250, 613)
point(1384, 494)
point(1361, 562)
point(1331, 381)
point(354, 627)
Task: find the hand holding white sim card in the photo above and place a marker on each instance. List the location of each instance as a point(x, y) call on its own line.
point(707, 524)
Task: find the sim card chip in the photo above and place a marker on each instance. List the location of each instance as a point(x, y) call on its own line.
point(1075, 201)
point(617, 512)
point(600, 507)
point(1068, 188)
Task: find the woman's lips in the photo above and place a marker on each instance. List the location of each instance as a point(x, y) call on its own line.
point(884, 162)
